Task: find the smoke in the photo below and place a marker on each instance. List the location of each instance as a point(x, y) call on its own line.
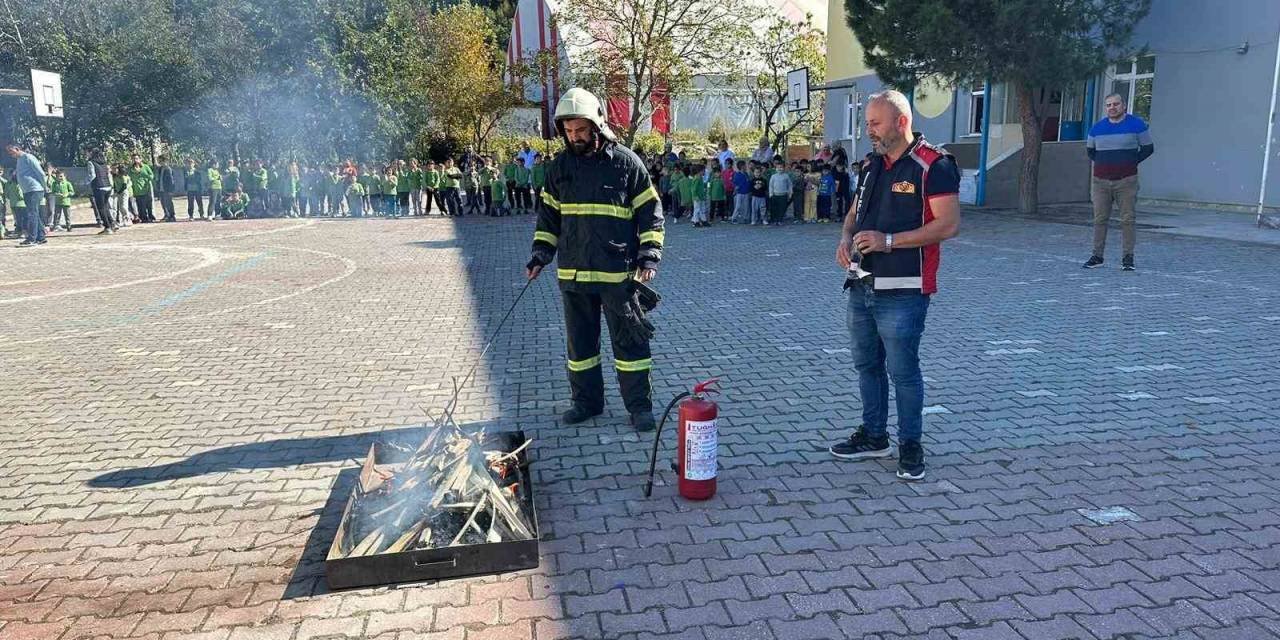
point(306, 117)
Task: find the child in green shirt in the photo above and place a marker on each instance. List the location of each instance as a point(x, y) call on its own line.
point(522, 187)
point(122, 188)
point(431, 188)
point(389, 183)
point(509, 177)
point(717, 193)
point(698, 193)
point(354, 195)
point(470, 182)
point(12, 194)
point(685, 190)
point(236, 203)
point(538, 180)
point(498, 193)
point(63, 191)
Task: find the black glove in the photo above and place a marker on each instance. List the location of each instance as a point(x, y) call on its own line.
point(540, 258)
point(630, 305)
point(645, 296)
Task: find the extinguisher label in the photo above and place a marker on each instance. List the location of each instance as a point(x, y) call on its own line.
point(700, 441)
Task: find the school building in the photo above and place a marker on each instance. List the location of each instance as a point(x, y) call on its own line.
point(1206, 85)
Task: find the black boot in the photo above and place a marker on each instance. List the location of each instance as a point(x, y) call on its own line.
point(643, 421)
point(578, 413)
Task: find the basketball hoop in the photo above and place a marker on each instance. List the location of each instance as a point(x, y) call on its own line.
point(798, 90)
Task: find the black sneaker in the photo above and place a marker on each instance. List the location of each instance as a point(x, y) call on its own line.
point(910, 460)
point(860, 446)
point(1093, 263)
point(577, 414)
point(643, 421)
point(1127, 263)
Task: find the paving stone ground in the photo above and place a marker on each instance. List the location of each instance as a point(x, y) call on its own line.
point(183, 404)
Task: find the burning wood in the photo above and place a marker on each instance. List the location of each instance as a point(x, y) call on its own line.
point(452, 491)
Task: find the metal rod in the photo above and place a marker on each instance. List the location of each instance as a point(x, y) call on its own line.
point(1271, 123)
point(487, 345)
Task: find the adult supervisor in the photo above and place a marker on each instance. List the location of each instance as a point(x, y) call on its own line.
point(603, 219)
point(907, 203)
point(31, 178)
point(1116, 145)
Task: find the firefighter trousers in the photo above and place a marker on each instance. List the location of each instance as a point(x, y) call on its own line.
point(582, 313)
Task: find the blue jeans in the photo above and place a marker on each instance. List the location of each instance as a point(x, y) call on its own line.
point(885, 329)
point(34, 225)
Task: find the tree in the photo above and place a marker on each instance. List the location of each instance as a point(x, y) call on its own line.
point(1025, 43)
point(466, 88)
point(125, 68)
point(634, 49)
point(780, 45)
point(436, 69)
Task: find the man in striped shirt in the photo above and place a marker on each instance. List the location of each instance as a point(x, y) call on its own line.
point(1117, 143)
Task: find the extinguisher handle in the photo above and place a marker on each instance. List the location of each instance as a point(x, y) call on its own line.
point(706, 387)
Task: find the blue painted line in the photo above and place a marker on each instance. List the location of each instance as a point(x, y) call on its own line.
point(200, 287)
point(172, 299)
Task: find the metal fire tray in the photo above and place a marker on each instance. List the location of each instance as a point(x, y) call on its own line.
point(436, 563)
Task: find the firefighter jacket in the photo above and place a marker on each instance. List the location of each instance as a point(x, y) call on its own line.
point(602, 216)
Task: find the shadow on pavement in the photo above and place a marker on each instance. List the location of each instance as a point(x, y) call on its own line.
point(270, 454)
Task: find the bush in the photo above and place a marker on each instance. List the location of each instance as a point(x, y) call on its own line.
point(504, 147)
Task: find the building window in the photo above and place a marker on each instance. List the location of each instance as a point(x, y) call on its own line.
point(851, 114)
point(976, 98)
point(1134, 81)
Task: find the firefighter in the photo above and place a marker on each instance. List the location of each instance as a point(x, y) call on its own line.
point(603, 217)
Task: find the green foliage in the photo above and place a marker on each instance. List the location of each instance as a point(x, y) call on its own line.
point(277, 79)
point(1025, 43)
point(635, 47)
point(779, 46)
point(506, 146)
point(968, 41)
point(649, 143)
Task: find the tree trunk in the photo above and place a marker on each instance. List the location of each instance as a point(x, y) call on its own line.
point(1029, 180)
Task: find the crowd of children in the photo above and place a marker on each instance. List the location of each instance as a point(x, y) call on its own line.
point(55, 208)
point(738, 191)
point(751, 192)
point(477, 184)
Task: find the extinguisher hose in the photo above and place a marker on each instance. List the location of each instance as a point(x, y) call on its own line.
point(657, 439)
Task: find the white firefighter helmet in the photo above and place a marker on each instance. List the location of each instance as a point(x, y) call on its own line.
point(580, 103)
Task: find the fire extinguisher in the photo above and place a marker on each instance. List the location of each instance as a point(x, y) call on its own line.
point(698, 438)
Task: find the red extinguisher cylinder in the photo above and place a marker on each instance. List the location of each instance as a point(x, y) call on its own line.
point(698, 439)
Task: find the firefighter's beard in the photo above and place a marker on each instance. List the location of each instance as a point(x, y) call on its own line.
point(583, 147)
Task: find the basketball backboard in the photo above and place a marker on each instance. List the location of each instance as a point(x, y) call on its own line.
point(798, 90)
point(46, 93)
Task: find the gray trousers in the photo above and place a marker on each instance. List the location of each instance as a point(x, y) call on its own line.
point(742, 207)
point(759, 210)
point(1123, 192)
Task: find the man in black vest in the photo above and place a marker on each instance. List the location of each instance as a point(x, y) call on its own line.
point(906, 204)
point(100, 191)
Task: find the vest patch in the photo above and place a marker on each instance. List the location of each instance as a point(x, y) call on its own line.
point(903, 187)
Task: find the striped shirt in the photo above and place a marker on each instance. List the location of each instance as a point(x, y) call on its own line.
point(1116, 148)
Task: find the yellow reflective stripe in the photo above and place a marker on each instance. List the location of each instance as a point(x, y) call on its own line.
point(645, 196)
point(583, 365)
point(550, 200)
point(652, 236)
point(545, 236)
point(596, 210)
point(633, 365)
point(593, 276)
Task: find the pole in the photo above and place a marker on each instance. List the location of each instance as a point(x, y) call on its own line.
point(1271, 122)
point(981, 199)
